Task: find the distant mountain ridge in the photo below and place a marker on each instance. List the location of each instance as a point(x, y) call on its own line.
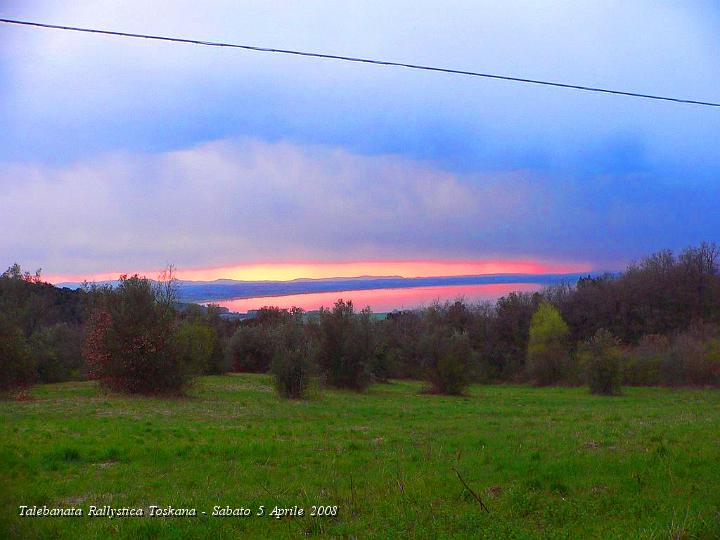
point(226, 289)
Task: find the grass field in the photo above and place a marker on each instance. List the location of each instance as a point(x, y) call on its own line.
point(548, 463)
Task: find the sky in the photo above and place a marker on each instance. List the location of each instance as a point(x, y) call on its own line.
point(120, 155)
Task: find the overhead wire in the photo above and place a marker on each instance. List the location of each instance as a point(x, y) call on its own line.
point(523, 80)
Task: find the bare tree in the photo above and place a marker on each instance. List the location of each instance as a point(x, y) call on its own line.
point(166, 287)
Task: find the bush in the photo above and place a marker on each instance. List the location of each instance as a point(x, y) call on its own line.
point(450, 361)
point(195, 345)
point(364, 346)
point(383, 364)
point(16, 365)
point(344, 354)
point(250, 349)
point(399, 351)
point(508, 334)
point(218, 363)
point(643, 363)
point(207, 321)
point(694, 360)
point(712, 358)
point(131, 341)
point(601, 360)
point(57, 353)
point(548, 358)
point(292, 368)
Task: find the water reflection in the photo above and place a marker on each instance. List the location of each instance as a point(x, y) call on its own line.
point(383, 300)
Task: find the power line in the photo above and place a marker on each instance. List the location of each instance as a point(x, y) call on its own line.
point(361, 60)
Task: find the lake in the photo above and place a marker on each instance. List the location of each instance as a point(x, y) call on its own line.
point(383, 300)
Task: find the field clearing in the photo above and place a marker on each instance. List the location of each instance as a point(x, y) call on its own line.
point(548, 463)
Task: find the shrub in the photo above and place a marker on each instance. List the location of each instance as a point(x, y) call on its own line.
point(712, 357)
point(292, 367)
point(601, 360)
point(450, 361)
point(694, 360)
point(195, 344)
point(509, 334)
point(548, 359)
point(207, 323)
point(383, 363)
point(399, 349)
point(363, 346)
point(131, 341)
point(343, 352)
point(643, 363)
point(271, 316)
point(218, 363)
point(16, 365)
point(250, 349)
point(57, 353)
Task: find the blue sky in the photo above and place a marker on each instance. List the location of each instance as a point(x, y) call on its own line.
point(121, 154)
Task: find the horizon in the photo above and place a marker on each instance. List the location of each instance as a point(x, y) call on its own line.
point(287, 272)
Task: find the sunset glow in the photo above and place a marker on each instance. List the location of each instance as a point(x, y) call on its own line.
point(321, 270)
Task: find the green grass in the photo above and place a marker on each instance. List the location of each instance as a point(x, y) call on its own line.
point(548, 463)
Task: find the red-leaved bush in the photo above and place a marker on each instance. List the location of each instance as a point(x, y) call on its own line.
point(131, 344)
point(95, 348)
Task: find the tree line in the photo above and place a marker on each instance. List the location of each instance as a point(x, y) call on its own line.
point(656, 323)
